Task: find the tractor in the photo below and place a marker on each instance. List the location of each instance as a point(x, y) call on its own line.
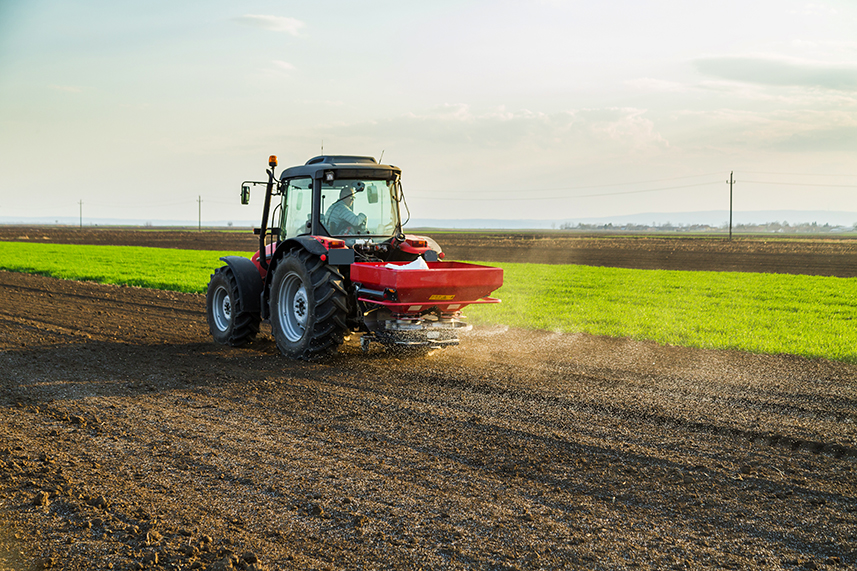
point(334, 260)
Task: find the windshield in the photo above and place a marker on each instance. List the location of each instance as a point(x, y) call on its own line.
point(359, 207)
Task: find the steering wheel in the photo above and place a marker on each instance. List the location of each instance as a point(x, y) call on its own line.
point(349, 229)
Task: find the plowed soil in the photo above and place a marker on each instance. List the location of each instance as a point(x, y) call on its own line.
point(129, 440)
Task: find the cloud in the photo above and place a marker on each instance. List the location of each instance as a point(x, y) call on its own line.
point(834, 139)
point(613, 130)
point(281, 65)
point(67, 88)
point(788, 96)
point(780, 130)
point(815, 9)
point(649, 85)
point(273, 23)
point(780, 72)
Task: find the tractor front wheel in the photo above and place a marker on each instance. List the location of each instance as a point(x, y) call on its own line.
point(308, 306)
point(228, 324)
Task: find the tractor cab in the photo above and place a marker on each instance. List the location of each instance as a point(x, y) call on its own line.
point(351, 198)
point(348, 197)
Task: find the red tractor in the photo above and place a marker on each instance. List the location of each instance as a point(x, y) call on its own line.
point(333, 259)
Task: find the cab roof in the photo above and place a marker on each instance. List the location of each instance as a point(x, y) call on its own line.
point(347, 166)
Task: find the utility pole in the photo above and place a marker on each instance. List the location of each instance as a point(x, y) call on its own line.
point(199, 199)
point(81, 213)
point(731, 181)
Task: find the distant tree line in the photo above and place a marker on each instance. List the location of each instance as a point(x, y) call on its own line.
point(768, 227)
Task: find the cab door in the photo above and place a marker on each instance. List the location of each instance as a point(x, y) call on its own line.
point(297, 208)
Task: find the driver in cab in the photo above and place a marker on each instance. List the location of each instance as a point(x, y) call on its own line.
point(341, 219)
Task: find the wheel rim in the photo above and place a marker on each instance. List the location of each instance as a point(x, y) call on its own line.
point(293, 307)
point(222, 309)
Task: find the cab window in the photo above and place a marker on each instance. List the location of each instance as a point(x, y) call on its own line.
point(297, 207)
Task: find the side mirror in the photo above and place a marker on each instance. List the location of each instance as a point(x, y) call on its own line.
point(245, 194)
point(299, 200)
point(372, 194)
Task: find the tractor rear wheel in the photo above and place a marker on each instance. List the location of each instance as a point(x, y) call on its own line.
point(308, 306)
point(227, 323)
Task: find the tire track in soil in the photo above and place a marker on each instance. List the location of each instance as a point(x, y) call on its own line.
point(835, 408)
point(517, 450)
point(641, 415)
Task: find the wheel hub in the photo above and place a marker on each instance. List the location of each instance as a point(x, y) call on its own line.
point(300, 306)
point(222, 309)
point(294, 307)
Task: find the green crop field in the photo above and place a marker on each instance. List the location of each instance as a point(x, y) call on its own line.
point(811, 316)
point(157, 268)
point(767, 313)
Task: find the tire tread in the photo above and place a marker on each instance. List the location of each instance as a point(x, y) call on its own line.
point(245, 324)
point(331, 307)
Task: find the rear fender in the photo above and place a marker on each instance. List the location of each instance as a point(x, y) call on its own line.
point(334, 256)
point(250, 284)
point(286, 246)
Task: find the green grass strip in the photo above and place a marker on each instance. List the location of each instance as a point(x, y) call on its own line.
point(811, 316)
point(156, 268)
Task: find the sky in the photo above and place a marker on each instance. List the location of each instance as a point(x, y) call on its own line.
point(538, 109)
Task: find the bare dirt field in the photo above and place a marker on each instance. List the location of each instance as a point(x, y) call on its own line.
point(129, 440)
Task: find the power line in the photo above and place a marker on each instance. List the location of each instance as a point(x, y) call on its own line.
point(156, 203)
point(145, 204)
point(41, 208)
point(230, 202)
point(800, 184)
point(586, 186)
point(795, 173)
point(529, 199)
